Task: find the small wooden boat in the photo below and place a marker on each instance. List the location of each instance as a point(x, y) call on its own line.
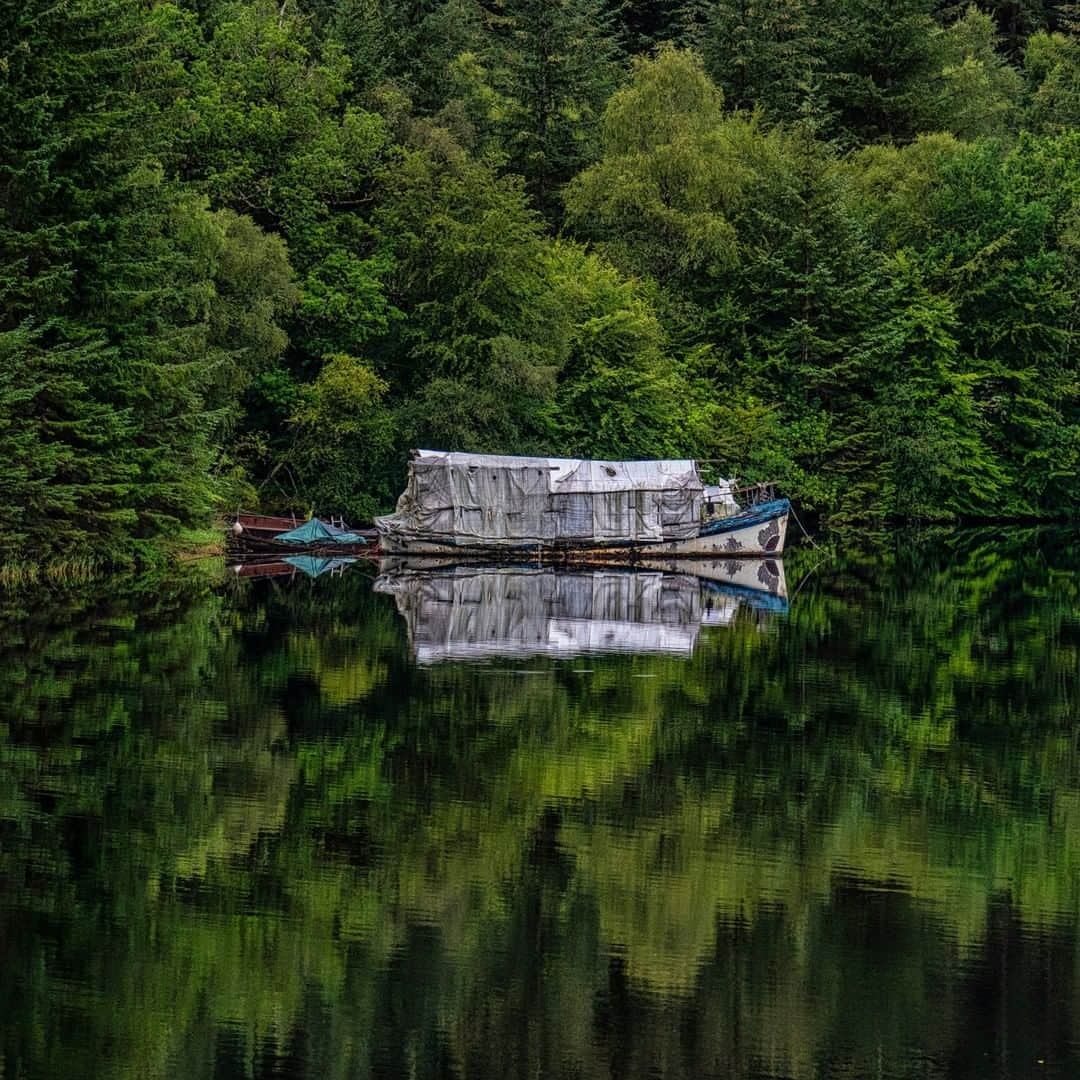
point(476, 505)
point(264, 524)
point(266, 534)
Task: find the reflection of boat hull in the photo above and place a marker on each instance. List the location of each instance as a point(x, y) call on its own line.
point(476, 612)
point(753, 533)
point(752, 575)
point(747, 577)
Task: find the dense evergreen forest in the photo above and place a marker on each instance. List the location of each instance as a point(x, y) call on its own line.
point(252, 251)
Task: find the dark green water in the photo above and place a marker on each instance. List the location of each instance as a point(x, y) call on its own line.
point(243, 833)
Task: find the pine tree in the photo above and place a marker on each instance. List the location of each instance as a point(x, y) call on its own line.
point(551, 65)
point(106, 278)
point(879, 61)
point(763, 55)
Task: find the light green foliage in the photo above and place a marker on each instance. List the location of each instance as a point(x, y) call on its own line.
point(670, 174)
point(923, 424)
point(896, 186)
point(254, 293)
point(981, 91)
point(807, 314)
point(1052, 66)
point(271, 137)
point(997, 222)
point(259, 112)
point(343, 432)
point(991, 232)
point(620, 392)
point(753, 226)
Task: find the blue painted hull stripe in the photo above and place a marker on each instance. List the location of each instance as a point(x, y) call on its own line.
point(754, 516)
point(764, 601)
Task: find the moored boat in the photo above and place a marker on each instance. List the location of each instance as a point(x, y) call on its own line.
point(263, 534)
point(497, 506)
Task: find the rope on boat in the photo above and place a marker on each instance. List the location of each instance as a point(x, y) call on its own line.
point(802, 527)
point(765, 488)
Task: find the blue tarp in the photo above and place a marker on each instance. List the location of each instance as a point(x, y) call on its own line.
point(317, 531)
point(752, 515)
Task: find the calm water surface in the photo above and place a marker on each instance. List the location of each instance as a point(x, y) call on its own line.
point(528, 825)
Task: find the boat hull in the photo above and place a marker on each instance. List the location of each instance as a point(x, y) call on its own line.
point(755, 534)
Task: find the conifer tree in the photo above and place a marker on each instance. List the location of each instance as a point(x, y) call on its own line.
point(979, 91)
point(763, 55)
point(879, 61)
point(1052, 67)
point(535, 84)
point(558, 58)
point(107, 274)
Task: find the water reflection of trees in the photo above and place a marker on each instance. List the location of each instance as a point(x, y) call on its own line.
point(244, 828)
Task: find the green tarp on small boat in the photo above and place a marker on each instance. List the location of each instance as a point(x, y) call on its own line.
point(317, 531)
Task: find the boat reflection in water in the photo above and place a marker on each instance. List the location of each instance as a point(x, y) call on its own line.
point(312, 566)
point(456, 612)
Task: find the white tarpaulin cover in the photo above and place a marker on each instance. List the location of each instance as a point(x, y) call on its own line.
point(474, 614)
point(506, 501)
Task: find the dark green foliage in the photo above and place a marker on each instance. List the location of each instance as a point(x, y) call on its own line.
point(107, 276)
point(242, 820)
point(62, 484)
point(857, 71)
point(475, 361)
point(772, 56)
point(880, 59)
point(835, 242)
point(513, 341)
point(551, 64)
point(524, 81)
point(1016, 20)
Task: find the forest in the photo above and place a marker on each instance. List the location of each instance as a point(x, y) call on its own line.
point(251, 252)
